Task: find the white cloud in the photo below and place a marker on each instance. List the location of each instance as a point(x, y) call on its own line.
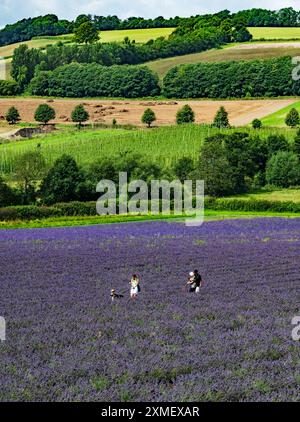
point(13, 10)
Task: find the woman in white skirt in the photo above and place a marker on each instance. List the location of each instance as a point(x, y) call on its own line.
point(134, 286)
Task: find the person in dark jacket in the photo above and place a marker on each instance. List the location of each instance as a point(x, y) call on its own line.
point(197, 281)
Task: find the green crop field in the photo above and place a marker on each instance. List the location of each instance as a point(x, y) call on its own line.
point(139, 35)
point(277, 119)
point(275, 33)
point(164, 145)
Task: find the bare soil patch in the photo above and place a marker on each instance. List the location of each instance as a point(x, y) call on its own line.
point(241, 112)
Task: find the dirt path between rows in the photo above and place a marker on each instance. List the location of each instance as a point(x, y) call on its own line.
point(241, 112)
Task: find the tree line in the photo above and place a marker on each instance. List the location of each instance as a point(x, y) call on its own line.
point(256, 17)
point(236, 79)
point(185, 115)
point(93, 80)
point(257, 78)
point(26, 29)
point(51, 25)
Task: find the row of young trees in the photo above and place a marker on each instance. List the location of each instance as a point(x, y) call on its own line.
point(45, 113)
point(228, 163)
point(186, 115)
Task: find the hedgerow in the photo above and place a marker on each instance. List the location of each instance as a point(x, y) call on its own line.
point(84, 209)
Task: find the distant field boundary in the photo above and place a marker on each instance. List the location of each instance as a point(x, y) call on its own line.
point(88, 209)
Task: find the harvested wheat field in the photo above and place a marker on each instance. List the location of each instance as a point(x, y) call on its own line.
point(241, 112)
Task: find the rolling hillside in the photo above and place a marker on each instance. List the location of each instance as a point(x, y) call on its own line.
point(139, 35)
point(247, 51)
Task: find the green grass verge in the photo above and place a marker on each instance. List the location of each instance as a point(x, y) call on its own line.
point(277, 119)
point(163, 145)
point(97, 220)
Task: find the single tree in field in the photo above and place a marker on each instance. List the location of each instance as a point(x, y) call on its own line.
point(29, 170)
point(292, 119)
point(12, 116)
point(256, 124)
point(79, 115)
point(86, 33)
point(44, 113)
point(148, 117)
point(221, 119)
point(185, 115)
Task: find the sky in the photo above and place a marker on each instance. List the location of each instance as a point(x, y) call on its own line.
point(13, 10)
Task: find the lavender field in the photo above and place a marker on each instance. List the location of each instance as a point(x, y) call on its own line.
point(66, 341)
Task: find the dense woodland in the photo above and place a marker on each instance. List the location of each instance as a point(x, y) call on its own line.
point(26, 29)
point(93, 80)
point(47, 25)
point(256, 78)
